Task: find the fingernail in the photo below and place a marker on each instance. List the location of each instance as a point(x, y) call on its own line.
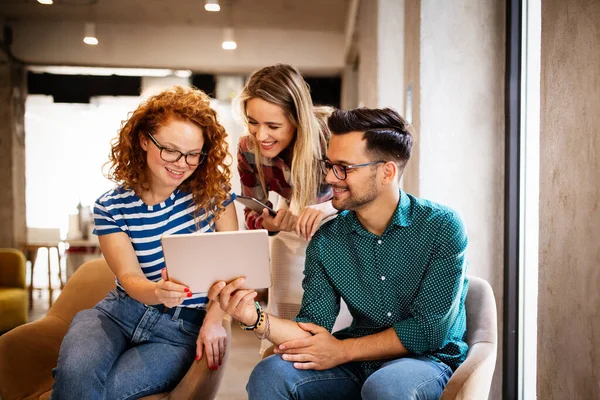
point(197, 357)
point(222, 284)
point(186, 290)
point(242, 280)
point(189, 295)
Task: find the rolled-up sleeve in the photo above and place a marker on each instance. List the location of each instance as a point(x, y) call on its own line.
point(320, 303)
point(436, 307)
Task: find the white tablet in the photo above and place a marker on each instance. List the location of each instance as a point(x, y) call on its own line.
point(198, 260)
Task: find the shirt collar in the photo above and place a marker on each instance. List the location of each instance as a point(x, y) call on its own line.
point(402, 216)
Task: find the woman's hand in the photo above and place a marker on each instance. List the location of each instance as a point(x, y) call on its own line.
point(169, 293)
point(309, 221)
point(283, 221)
point(212, 340)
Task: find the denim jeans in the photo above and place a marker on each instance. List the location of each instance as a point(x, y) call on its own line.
point(404, 378)
point(122, 349)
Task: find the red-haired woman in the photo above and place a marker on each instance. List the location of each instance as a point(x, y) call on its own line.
point(169, 162)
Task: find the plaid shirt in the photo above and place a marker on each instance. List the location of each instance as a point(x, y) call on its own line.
point(277, 178)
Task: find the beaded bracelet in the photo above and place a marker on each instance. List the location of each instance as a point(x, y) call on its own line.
point(260, 318)
point(267, 331)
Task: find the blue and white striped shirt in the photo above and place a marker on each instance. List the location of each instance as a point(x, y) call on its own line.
point(121, 210)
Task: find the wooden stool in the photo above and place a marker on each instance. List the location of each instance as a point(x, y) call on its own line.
point(31, 250)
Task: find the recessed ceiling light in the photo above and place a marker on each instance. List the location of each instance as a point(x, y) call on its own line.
point(228, 40)
point(212, 5)
point(48, 2)
point(89, 36)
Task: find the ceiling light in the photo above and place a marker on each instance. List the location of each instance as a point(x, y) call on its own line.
point(212, 5)
point(45, 2)
point(182, 73)
point(228, 40)
point(103, 71)
point(90, 34)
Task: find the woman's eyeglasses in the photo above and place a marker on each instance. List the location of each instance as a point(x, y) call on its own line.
point(341, 171)
point(172, 155)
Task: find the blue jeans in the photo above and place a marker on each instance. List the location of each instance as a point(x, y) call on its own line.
point(122, 349)
point(404, 378)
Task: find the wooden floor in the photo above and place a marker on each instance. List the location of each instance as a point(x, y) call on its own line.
point(244, 348)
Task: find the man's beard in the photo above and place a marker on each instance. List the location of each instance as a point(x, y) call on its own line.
point(354, 203)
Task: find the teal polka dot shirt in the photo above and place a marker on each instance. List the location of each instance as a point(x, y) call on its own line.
point(411, 278)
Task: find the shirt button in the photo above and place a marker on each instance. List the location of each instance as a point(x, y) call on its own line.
point(389, 314)
point(383, 278)
point(379, 241)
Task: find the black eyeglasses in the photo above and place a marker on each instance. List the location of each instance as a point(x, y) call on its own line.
point(340, 171)
point(172, 155)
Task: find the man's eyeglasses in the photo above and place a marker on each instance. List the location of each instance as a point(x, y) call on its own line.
point(340, 171)
point(172, 155)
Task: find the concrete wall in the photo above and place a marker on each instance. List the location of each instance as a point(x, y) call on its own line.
point(349, 95)
point(412, 84)
point(569, 274)
point(380, 54)
point(390, 65)
point(178, 47)
point(461, 146)
point(367, 54)
point(12, 153)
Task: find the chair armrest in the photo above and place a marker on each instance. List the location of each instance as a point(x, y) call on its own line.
point(473, 377)
point(28, 354)
point(268, 352)
point(12, 268)
point(200, 382)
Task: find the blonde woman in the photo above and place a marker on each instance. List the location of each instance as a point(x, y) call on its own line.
point(287, 137)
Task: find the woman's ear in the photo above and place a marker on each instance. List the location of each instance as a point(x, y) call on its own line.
point(144, 142)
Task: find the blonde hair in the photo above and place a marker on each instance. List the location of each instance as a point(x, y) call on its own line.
point(284, 86)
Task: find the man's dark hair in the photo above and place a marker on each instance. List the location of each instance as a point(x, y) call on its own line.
point(384, 130)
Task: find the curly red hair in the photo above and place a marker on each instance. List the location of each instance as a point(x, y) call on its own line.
point(211, 181)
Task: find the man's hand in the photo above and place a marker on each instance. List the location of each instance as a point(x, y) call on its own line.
point(320, 351)
point(283, 221)
point(239, 303)
point(169, 293)
point(212, 339)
